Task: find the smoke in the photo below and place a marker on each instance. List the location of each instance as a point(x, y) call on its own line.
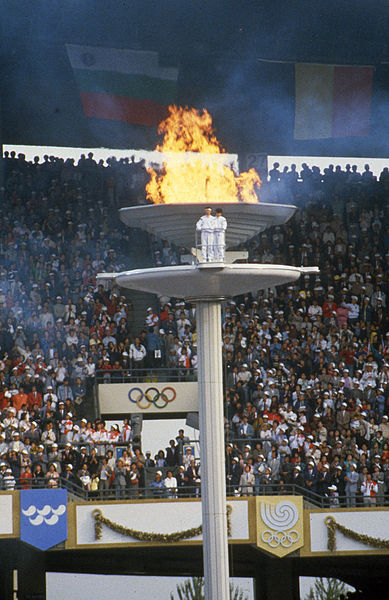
point(250, 89)
point(219, 51)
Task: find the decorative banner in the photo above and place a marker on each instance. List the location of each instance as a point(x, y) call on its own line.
point(6, 515)
point(146, 398)
point(144, 536)
point(134, 522)
point(280, 524)
point(348, 531)
point(332, 526)
point(43, 517)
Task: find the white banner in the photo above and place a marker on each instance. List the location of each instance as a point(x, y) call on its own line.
point(6, 518)
point(148, 398)
point(370, 522)
point(153, 517)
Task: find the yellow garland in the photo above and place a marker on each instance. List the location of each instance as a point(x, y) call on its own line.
point(144, 536)
point(332, 526)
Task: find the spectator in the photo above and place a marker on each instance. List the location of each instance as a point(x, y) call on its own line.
point(52, 475)
point(38, 477)
point(137, 354)
point(120, 481)
point(246, 482)
point(369, 490)
point(84, 476)
point(351, 479)
point(170, 484)
point(172, 454)
point(105, 476)
point(307, 352)
point(157, 486)
point(8, 480)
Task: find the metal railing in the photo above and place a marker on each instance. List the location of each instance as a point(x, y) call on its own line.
point(209, 251)
point(327, 501)
point(149, 375)
point(115, 492)
point(105, 491)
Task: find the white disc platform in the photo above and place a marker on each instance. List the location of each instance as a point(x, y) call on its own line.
point(209, 281)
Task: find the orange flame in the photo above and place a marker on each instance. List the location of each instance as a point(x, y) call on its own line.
point(191, 175)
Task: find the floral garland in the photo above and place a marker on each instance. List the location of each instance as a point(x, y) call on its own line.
point(144, 536)
point(332, 526)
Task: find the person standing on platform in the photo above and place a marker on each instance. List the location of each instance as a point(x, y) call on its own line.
point(206, 225)
point(369, 489)
point(219, 233)
point(351, 485)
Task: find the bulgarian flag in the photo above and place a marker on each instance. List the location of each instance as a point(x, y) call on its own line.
point(123, 85)
point(332, 101)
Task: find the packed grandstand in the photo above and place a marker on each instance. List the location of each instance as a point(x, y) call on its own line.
point(306, 369)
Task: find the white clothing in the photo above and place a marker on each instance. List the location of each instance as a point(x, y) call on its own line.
point(90, 369)
point(314, 312)
point(369, 489)
point(220, 226)
point(137, 353)
point(353, 310)
point(170, 482)
point(86, 481)
point(53, 398)
point(126, 433)
point(206, 225)
point(100, 438)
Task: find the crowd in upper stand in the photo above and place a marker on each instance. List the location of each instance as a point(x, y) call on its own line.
point(306, 366)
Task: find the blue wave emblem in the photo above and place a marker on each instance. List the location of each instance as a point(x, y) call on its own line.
point(43, 517)
point(47, 514)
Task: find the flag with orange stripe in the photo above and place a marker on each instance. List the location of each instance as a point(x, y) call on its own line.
point(332, 101)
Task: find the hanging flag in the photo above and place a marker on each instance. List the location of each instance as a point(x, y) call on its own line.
point(332, 101)
point(43, 517)
point(123, 85)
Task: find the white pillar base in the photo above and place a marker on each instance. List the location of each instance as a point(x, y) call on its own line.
point(212, 457)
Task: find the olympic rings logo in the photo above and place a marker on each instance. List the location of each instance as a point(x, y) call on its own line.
point(280, 538)
point(144, 399)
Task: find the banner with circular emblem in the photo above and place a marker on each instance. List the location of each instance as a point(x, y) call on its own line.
point(152, 396)
point(280, 529)
point(148, 398)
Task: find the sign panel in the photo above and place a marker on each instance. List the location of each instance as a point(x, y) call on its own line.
point(354, 531)
point(6, 514)
point(256, 161)
point(158, 517)
point(280, 520)
point(43, 517)
point(148, 398)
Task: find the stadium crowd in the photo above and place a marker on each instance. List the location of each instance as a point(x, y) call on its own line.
point(306, 366)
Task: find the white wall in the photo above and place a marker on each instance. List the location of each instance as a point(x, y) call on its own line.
point(62, 586)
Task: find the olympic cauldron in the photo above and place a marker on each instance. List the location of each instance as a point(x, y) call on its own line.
point(208, 284)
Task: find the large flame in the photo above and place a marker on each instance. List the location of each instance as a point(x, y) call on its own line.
point(191, 174)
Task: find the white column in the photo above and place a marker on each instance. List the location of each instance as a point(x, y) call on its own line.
point(213, 483)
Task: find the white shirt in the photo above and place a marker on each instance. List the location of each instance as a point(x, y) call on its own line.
point(353, 310)
point(205, 223)
point(137, 353)
point(220, 224)
point(170, 482)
